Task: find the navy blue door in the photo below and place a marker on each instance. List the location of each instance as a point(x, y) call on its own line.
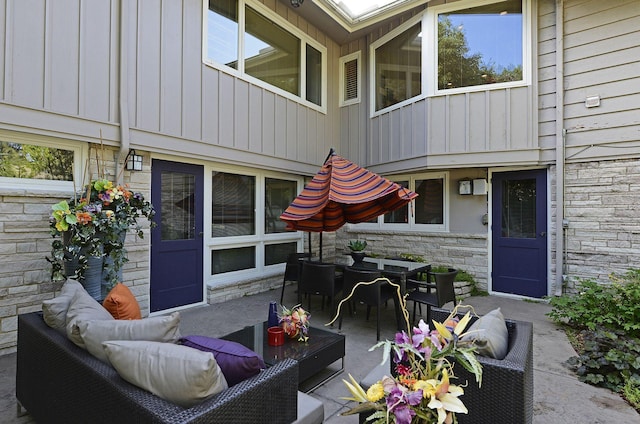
point(519, 233)
point(176, 241)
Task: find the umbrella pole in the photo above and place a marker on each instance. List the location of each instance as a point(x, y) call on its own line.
point(310, 253)
point(320, 247)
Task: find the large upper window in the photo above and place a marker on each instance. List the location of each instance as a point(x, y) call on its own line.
point(258, 44)
point(397, 64)
point(456, 47)
point(480, 45)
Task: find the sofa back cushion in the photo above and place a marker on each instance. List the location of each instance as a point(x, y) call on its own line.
point(54, 311)
point(490, 335)
point(172, 372)
point(159, 329)
point(83, 307)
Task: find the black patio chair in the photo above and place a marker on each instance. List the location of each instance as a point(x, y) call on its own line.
point(319, 278)
point(373, 295)
point(292, 270)
point(445, 292)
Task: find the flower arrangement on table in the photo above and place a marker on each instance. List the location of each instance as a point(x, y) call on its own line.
point(421, 390)
point(94, 222)
point(295, 322)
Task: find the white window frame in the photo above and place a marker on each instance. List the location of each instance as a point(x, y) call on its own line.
point(240, 73)
point(372, 66)
point(80, 154)
point(412, 225)
point(430, 58)
point(357, 56)
point(258, 240)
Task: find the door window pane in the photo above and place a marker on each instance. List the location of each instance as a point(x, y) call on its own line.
point(314, 75)
point(277, 197)
point(430, 201)
point(177, 210)
point(400, 215)
point(278, 253)
point(398, 68)
point(519, 208)
point(233, 259)
point(480, 45)
point(35, 162)
point(233, 205)
point(222, 32)
point(271, 54)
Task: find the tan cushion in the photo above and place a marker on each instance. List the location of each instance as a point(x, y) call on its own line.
point(490, 335)
point(157, 329)
point(83, 307)
point(54, 311)
point(179, 374)
point(121, 303)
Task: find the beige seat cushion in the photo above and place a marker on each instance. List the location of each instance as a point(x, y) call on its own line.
point(179, 374)
point(157, 329)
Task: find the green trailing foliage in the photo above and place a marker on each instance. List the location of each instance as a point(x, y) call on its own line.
point(615, 306)
point(608, 317)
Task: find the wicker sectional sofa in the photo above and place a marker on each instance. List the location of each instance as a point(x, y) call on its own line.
point(58, 382)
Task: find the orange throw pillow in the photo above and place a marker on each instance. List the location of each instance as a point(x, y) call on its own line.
point(121, 303)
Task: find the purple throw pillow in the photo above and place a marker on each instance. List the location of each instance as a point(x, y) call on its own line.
point(236, 361)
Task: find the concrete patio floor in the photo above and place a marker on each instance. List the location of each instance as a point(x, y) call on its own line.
point(558, 396)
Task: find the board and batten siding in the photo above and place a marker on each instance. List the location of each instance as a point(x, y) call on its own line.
point(178, 96)
point(602, 58)
point(59, 75)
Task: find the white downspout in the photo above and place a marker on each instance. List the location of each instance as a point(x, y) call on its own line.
point(560, 143)
point(123, 90)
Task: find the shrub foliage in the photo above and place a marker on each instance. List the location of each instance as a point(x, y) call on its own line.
point(609, 317)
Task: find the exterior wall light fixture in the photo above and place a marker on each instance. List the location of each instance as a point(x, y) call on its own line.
point(296, 3)
point(133, 161)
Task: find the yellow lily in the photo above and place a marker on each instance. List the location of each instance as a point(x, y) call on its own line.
point(444, 398)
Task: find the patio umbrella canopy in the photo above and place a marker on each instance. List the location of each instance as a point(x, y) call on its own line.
point(343, 192)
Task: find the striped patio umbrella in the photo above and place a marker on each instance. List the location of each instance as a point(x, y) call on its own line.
point(343, 192)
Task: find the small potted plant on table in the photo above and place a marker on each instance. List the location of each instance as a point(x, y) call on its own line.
point(357, 249)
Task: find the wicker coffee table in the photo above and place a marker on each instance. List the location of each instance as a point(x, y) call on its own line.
point(314, 356)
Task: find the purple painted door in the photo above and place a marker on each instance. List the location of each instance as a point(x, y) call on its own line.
point(176, 241)
point(519, 233)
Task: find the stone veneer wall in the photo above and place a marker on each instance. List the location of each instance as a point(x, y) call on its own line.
point(602, 205)
point(466, 252)
point(25, 242)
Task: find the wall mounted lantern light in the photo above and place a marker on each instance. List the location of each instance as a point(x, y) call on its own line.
point(133, 161)
point(296, 3)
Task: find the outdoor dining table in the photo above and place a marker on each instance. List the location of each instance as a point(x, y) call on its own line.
point(396, 270)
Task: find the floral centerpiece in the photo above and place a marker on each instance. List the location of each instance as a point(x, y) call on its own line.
point(93, 224)
point(420, 388)
point(295, 322)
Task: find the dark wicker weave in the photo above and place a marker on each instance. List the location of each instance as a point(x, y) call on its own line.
point(57, 382)
point(506, 395)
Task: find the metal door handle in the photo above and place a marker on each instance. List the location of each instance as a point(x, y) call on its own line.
point(543, 234)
